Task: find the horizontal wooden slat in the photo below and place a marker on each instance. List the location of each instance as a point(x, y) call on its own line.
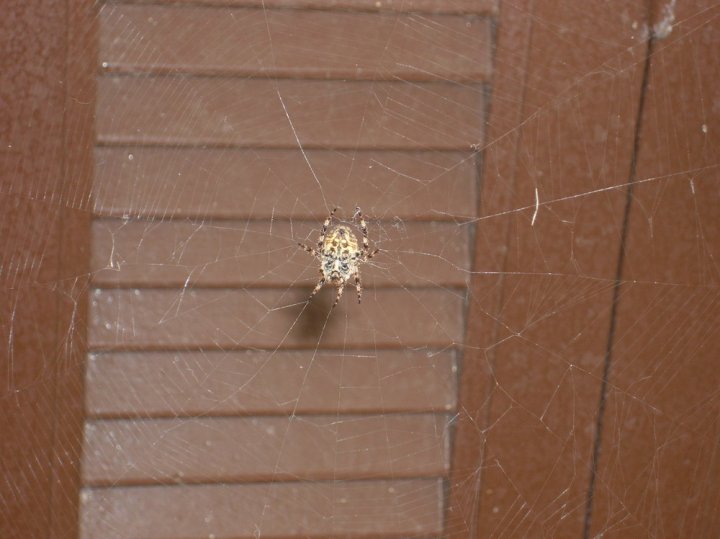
point(224, 183)
point(406, 508)
point(402, 6)
point(172, 384)
point(264, 449)
point(247, 112)
point(265, 253)
point(212, 319)
point(293, 43)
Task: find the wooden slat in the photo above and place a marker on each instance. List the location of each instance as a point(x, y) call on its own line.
point(260, 253)
point(222, 183)
point(264, 449)
point(405, 508)
point(179, 319)
point(658, 469)
point(293, 43)
point(482, 7)
point(540, 369)
point(164, 384)
point(247, 112)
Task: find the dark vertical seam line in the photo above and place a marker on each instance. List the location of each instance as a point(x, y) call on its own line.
point(617, 285)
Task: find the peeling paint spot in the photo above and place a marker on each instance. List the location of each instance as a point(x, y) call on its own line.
point(663, 28)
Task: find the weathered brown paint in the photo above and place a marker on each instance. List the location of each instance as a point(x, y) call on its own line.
point(658, 469)
point(45, 161)
point(74, 277)
point(475, 373)
point(287, 448)
point(402, 508)
point(253, 42)
point(265, 184)
point(259, 318)
point(237, 112)
point(544, 347)
point(252, 191)
point(481, 7)
point(213, 383)
point(658, 440)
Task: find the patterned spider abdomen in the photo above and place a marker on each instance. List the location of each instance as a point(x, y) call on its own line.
point(340, 258)
point(340, 255)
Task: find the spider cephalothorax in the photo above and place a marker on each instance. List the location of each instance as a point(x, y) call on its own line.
point(340, 255)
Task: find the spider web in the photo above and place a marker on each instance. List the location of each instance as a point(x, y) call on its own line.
point(530, 357)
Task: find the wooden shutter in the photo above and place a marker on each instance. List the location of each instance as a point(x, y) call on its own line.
point(213, 409)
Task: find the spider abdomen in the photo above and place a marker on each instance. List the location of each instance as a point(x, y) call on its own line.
point(339, 255)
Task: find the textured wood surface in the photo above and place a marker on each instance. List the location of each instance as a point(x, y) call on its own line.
point(170, 384)
point(263, 184)
point(402, 508)
point(242, 112)
point(258, 318)
point(538, 337)
point(482, 7)
point(658, 465)
point(255, 42)
point(226, 134)
point(46, 113)
point(295, 448)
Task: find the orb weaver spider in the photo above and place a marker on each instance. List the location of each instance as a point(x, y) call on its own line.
point(340, 255)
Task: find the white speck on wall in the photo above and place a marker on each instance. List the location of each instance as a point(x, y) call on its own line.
point(663, 28)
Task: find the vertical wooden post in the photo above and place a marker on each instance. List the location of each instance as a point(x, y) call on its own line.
point(45, 164)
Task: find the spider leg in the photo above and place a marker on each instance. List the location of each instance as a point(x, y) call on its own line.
point(358, 286)
point(363, 227)
point(325, 226)
point(317, 288)
point(309, 250)
point(339, 294)
point(368, 256)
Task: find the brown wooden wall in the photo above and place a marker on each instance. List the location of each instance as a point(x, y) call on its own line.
point(589, 380)
point(550, 371)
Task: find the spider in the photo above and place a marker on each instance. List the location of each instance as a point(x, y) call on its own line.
point(339, 255)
